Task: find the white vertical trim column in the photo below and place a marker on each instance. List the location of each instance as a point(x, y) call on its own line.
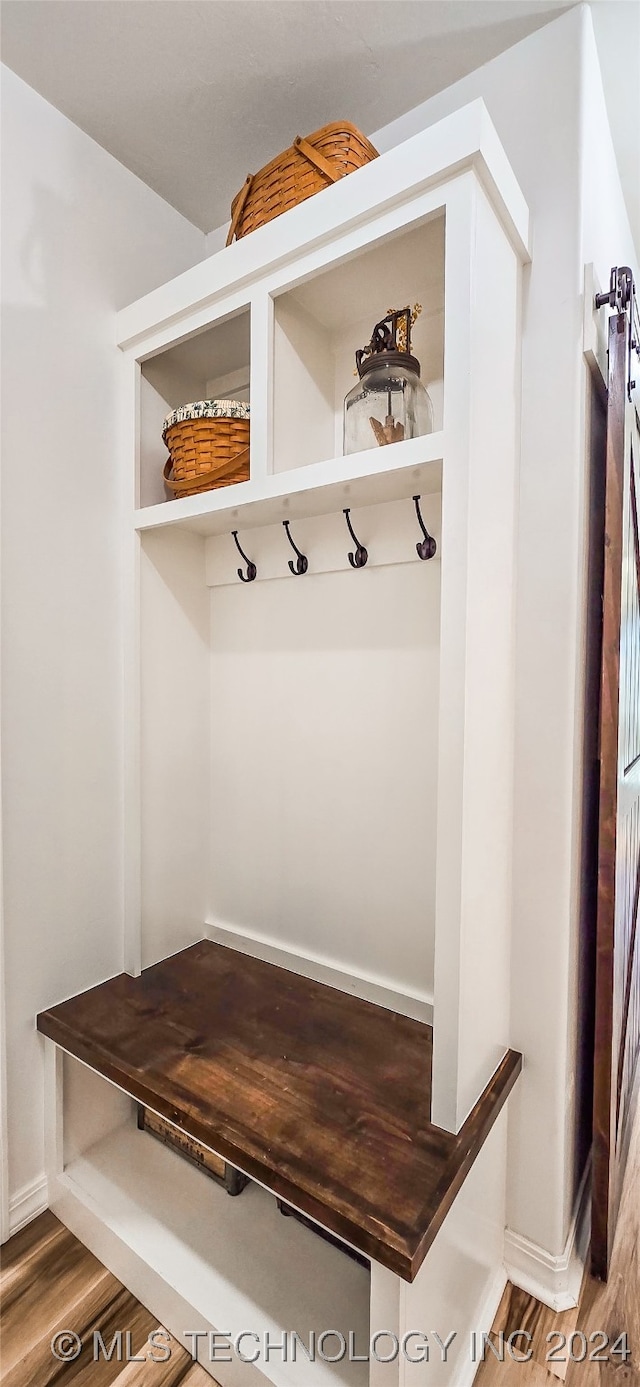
point(4, 1125)
point(451, 748)
point(4, 1116)
point(53, 1112)
point(261, 377)
point(386, 1317)
point(132, 904)
point(475, 770)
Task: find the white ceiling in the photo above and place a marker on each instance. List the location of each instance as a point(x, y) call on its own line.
point(191, 95)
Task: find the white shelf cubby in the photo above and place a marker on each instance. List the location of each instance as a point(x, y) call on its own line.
point(212, 364)
point(321, 322)
point(245, 1271)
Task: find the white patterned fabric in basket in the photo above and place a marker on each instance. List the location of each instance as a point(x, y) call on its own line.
point(206, 409)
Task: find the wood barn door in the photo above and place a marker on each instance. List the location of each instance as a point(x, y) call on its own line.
point(617, 1007)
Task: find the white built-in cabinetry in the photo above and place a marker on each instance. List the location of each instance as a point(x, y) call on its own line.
point(318, 768)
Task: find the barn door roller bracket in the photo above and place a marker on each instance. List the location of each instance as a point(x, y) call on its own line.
point(621, 297)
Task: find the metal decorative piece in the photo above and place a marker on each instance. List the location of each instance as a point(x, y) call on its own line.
point(302, 563)
point(425, 548)
point(359, 559)
point(621, 296)
point(252, 571)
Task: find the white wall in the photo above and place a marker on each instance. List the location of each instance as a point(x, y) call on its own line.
point(545, 98)
point(324, 742)
point(81, 237)
point(616, 26)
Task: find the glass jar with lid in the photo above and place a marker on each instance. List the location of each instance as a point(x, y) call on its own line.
point(389, 402)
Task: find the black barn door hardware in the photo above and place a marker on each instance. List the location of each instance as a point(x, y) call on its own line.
point(621, 297)
point(252, 571)
point(359, 559)
point(425, 548)
point(302, 563)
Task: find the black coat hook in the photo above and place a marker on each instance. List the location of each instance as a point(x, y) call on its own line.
point(425, 548)
point(302, 563)
point(252, 571)
point(359, 559)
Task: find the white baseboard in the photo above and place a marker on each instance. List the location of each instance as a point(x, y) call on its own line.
point(27, 1203)
point(556, 1281)
point(418, 1005)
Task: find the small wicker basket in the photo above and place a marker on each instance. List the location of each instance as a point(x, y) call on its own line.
point(208, 444)
point(308, 166)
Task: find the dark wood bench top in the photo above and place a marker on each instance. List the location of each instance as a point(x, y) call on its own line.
point(321, 1097)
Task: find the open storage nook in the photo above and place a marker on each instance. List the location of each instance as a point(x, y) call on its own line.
point(213, 364)
point(319, 771)
point(239, 1259)
point(320, 325)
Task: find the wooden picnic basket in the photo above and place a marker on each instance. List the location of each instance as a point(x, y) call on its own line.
point(208, 444)
point(307, 167)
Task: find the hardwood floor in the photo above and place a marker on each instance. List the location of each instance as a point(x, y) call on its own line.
point(50, 1282)
point(613, 1308)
